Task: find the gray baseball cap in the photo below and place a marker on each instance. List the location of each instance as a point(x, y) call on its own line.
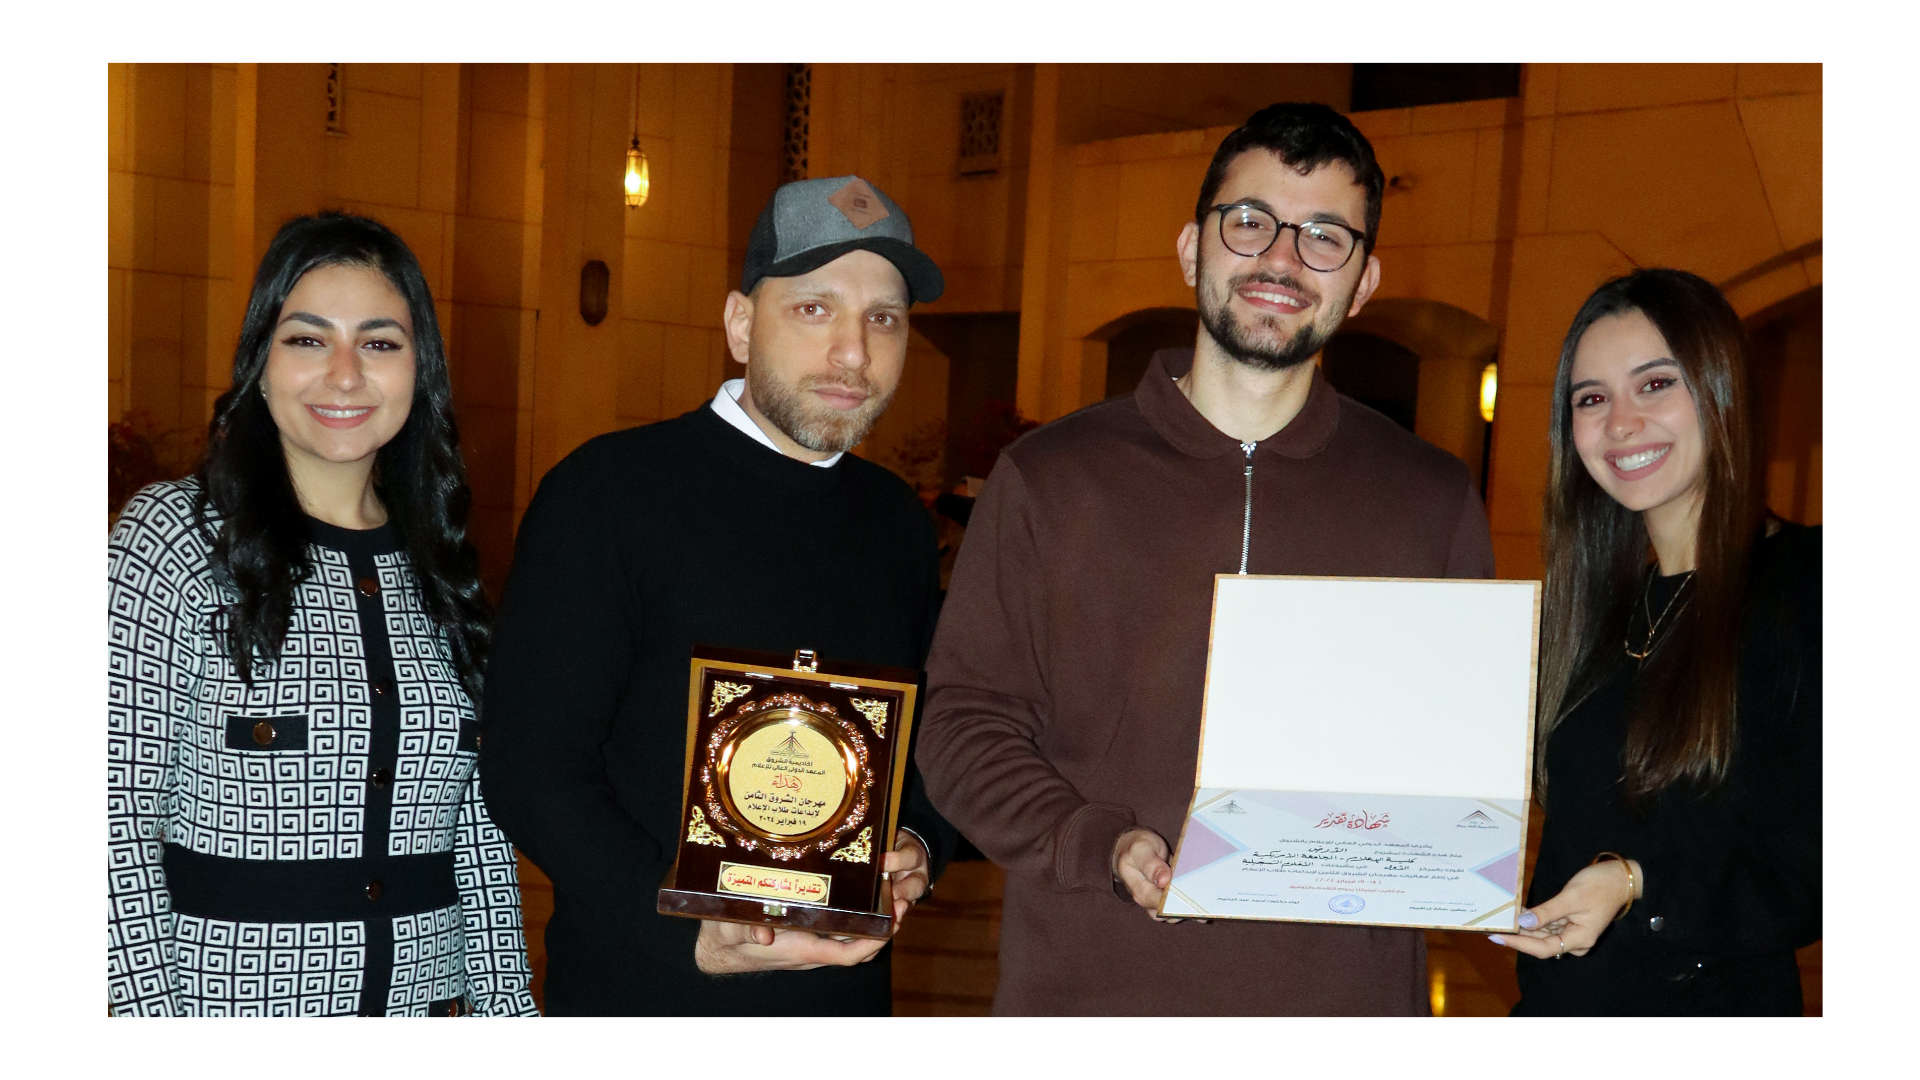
point(809, 223)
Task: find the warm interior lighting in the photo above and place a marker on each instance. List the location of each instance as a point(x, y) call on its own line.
point(1489, 386)
point(637, 180)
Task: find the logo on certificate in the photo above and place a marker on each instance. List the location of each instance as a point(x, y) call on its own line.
point(1475, 820)
point(1346, 904)
point(1231, 808)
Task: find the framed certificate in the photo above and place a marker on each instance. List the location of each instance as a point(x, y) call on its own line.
point(791, 794)
point(1365, 753)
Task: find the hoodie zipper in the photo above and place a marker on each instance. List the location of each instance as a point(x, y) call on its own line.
point(1246, 517)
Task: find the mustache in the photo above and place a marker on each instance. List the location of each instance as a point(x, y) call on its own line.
point(858, 384)
point(1261, 277)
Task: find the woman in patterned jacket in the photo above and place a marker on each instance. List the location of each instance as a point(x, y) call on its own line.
point(296, 636)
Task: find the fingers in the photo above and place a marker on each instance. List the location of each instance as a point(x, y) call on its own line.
point(1159, 868)
point(908, 857)
point(1552, 911)
point(906, 868)
point(727, 934)
point(1542, 946)
point(1138, 885)
point(1144, 881)
point(720, 948)
point(1155, 843)
point(1140, 862)
point(1160, 872)
point(726, 948)
point(1544, 949)
point(911, 883)
point(803, 949)
point(1547, 944)
point(911, 888)
point(1156, 870)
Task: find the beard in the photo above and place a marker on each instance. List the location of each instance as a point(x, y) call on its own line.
point(811, 423)
point(1244, 343)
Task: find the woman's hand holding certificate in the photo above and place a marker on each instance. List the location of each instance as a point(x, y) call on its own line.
point(1573, 920)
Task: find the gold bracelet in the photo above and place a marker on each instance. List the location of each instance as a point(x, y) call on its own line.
point(1627, 864)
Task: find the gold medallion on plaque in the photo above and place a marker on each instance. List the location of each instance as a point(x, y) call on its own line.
point(787, 774)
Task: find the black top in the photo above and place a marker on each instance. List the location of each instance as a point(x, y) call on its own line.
point(639, 545)
point(1733, 878)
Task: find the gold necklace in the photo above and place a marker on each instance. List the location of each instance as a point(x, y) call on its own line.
point(1653, 624)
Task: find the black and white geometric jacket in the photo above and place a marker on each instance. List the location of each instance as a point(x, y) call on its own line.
point(312, 844)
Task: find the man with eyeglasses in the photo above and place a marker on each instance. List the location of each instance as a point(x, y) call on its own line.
point(1064, 690)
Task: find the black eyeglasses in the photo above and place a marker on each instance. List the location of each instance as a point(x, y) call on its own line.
point(1321, 245)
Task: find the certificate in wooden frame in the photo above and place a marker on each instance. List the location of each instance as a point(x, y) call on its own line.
point(1375, 738)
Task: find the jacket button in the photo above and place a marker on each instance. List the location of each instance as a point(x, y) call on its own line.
point(1657, 923)
point(374, 889)
point(476, 742)
point(382, 777)
point(383, 687)
point(263, 733)
point(368, 586)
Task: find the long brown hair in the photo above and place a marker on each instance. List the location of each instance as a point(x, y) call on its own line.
point(1681, 726)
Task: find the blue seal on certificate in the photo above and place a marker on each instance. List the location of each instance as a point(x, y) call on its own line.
point(1346, 904)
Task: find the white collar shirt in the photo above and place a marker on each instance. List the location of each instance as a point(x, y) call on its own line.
point(726, 402)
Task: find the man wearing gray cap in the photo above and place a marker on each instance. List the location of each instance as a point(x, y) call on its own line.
point(743, 523)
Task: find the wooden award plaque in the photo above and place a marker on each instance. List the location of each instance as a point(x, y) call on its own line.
point(791, 793)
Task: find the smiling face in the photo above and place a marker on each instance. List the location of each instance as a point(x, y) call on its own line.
point(824, 351)
point(1274, 311)
point(1635, 424)
point(339, 374)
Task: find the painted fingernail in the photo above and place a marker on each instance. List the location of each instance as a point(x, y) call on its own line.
point(1529, 920)
point(1496, 939)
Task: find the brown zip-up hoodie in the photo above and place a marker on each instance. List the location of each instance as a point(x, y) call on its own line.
point(1065, 683)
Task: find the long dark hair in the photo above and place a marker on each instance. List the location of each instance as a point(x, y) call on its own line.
point(1682, 721)
point(260, 551)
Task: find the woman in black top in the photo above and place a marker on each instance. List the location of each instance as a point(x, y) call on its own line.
point(296, 635)
point(1679, 741)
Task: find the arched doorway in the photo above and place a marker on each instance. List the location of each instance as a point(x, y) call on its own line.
point(1786, 365)
point(1379, 373)
point(1132, 339)
point(1419, 361)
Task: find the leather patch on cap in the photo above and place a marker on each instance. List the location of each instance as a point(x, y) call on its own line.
point(860, 203)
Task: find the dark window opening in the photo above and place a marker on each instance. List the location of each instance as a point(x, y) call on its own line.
point(1380, 374)
point(1399, 86)
point(983, 362)
point(1129, 351)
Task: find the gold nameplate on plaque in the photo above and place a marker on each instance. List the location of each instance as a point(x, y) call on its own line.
point(788, 886)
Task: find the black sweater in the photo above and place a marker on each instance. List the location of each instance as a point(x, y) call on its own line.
point(1733, 878)
point(639, 545)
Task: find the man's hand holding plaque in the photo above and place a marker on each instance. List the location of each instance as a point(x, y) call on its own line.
point(725, 948)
